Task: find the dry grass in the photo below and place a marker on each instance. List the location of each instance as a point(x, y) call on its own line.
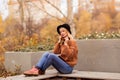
point(5, 73)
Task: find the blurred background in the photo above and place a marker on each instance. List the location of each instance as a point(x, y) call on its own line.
point(30, 25)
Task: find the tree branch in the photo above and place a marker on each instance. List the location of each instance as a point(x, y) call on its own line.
point(46, 12)
point(56, 8)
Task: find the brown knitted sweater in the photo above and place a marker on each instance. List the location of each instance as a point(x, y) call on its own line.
point(67, 52)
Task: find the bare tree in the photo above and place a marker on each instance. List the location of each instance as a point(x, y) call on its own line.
point(45, 11)
point(56, 8)
point(79, 4)
point(70, 16)
point(21, 8)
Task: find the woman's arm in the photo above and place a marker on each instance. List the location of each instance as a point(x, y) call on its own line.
point(56, 49)
point(69, 50)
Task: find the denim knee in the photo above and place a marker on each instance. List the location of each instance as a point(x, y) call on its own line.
point(51, 56)
point(46, 54)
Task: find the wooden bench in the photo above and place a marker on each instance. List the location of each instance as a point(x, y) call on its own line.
point(92, 75)
point(76, 75)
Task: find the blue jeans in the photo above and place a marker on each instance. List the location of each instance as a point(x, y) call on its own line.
point(52, 59)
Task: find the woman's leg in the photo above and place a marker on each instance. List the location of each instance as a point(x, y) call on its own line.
point(52, 59)
point(42, 61)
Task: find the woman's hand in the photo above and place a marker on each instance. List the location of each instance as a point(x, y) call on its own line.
point(61, 40)
point(66, 40)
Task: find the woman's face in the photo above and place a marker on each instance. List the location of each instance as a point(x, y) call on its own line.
point(63, 32)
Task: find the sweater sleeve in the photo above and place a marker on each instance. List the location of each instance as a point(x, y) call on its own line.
point(68, 51)
point(56, 49)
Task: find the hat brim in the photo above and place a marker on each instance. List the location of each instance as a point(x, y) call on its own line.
point(66, 26)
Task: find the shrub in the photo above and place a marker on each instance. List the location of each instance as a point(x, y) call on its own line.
point(107, 35)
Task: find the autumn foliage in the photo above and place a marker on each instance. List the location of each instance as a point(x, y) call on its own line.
point(13, 37)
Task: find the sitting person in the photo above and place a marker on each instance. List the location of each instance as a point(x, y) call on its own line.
point(64, 62)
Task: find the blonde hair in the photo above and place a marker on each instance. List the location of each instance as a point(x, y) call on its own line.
point(70, 35)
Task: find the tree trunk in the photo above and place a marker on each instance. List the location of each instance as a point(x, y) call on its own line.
point(21, 3)
point(70, 16)
point(79, 5)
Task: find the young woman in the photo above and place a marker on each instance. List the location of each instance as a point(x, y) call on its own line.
point(66, 48)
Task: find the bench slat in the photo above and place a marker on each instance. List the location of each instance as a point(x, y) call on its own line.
point(48, 74)
point(92, 75)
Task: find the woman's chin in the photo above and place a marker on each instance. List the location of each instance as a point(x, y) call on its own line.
point(63, 36)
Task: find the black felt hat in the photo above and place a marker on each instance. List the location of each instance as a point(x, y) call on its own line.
point(66, 26)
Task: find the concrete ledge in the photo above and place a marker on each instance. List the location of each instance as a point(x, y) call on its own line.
point(94, 55)
point(99, 55)
point(24, 59)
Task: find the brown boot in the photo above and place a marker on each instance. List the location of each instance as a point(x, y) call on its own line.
point(33, 72)
point(41, 72)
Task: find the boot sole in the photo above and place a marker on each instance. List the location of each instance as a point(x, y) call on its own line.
point(31, 74)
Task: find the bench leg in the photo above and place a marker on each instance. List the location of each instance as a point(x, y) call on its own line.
point(64, 78)
point(47, 79)
point(78, 79)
